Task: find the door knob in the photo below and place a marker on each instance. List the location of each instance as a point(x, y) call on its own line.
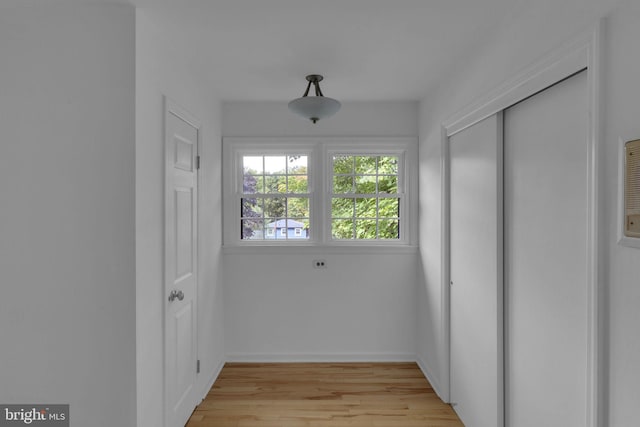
point(176, 294)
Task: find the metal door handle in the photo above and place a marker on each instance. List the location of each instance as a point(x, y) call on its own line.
point(176, 294)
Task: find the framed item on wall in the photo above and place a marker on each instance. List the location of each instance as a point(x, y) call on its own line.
point(629, 193)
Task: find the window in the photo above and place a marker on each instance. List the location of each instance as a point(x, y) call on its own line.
point(319, 192)
point(275, 194)
point(365, 201)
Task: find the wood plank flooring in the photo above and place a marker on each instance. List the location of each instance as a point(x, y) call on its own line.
point(322, 395)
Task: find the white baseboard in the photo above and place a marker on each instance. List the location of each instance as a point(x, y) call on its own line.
point(213, 379)
point(326, 358)
point(430, 374)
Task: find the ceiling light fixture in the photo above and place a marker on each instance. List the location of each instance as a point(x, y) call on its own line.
point(316, 107)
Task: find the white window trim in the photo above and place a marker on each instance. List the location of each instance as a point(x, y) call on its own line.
point(319, 167)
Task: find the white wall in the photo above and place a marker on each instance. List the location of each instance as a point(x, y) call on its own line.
point(67, 249)
point(161, 69)
point(622, 280)
point(362, 307)
point(534, 29)
point(278, 307)
point(354, 119)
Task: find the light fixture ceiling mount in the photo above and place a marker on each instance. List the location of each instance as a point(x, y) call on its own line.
point(316, 107)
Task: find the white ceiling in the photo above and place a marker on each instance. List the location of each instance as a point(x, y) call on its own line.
point(366, 49)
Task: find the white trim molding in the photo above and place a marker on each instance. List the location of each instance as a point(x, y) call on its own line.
point(209, 384)
point(565, 61)
point(429, 374)
point(579, 54)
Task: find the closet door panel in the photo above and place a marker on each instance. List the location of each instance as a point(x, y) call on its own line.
point(476, 273)
point(546, 256)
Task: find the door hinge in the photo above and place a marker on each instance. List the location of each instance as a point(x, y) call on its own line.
point(197, 162)
point(198, 366)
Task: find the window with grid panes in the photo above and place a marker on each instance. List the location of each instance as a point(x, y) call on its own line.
point(275, 197)
point(365, 197)
point(345, 192)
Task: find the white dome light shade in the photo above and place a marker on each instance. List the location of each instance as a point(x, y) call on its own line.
point(316, 107)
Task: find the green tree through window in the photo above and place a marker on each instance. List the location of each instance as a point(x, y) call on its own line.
point(365, 203)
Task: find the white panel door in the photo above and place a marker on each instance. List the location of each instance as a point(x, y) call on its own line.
point(180, 268)
point(546, 257)
point(476, 273)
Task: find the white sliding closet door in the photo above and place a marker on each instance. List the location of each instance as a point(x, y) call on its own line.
point(546, 223)
point(476, 273)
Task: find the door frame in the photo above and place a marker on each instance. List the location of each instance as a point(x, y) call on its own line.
point(581, 53)
point(172, 108)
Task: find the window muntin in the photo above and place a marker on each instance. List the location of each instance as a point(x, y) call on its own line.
point(365, 197)
point(275, 196)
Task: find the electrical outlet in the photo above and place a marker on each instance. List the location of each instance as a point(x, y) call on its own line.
point(319, 263)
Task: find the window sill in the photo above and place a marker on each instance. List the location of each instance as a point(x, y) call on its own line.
point(320, 249)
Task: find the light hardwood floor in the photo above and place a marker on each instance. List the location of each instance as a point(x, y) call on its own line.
point(322, 395)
